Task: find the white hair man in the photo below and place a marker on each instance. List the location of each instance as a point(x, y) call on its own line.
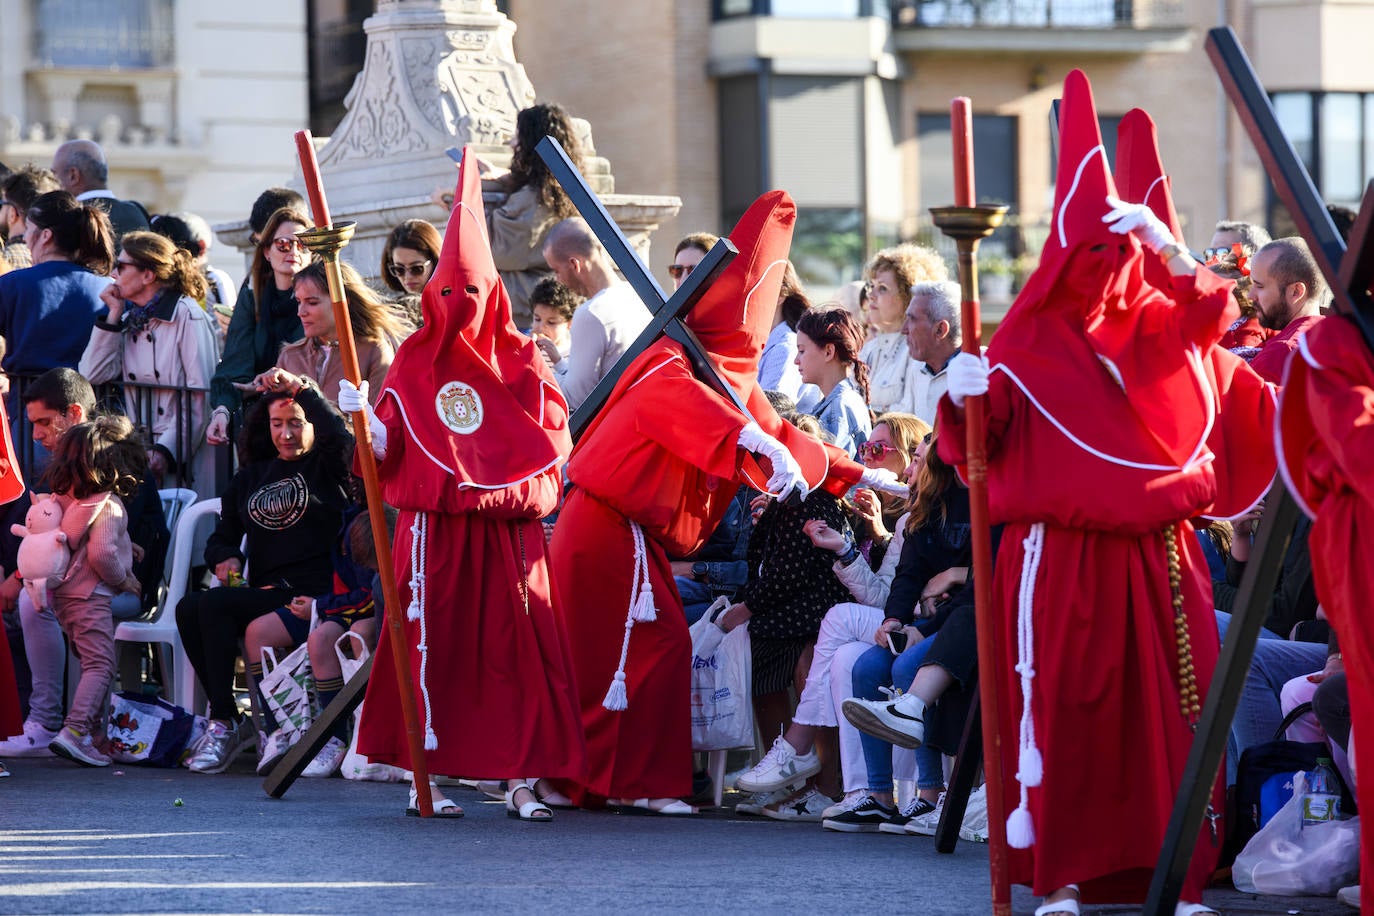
point(933, 336)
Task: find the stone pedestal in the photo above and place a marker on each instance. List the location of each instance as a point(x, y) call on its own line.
point(437, 74)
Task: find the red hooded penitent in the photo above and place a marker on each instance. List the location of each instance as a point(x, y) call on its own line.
point(476, 436)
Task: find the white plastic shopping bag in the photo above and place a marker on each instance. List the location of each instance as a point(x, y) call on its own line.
point(722, 676)
point(1290, 860)
point(355, 765)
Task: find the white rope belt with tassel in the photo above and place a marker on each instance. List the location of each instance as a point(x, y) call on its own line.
point(641, 610)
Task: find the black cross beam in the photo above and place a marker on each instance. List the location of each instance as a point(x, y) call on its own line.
point(667, 312)
point(1348, 273)
point(293, 763)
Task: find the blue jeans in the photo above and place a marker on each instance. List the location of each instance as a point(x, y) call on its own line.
point(1276, 662)
point(877, 668)
point(696, 597)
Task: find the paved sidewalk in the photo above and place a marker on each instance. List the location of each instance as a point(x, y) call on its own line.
point(114, 840)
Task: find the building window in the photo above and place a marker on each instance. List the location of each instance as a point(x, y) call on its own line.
point(801, 9)
point(995, 163)
point(1015, 13)
point(1333, 135)
point(104, 34)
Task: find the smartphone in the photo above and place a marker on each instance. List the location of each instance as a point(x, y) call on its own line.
point(896, 642)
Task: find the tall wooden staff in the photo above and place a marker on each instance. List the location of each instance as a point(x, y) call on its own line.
point(327, 240)
point(969, 224)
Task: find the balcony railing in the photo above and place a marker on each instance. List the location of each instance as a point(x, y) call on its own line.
point(1038, 14)
point(103, 34)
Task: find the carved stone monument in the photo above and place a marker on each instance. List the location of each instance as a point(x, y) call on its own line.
point(437, 74)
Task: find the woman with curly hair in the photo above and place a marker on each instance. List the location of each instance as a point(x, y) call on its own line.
point(532, 203)
point(897, 380)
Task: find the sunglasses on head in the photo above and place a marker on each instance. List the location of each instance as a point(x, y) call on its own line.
point(401, 271)
point(876, 451)
point(285, 245)
point(678, 271)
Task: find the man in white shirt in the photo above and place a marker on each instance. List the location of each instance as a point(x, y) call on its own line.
point(606, 324)
point(933, 336)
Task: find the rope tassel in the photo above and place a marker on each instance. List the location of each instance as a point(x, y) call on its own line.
point(419, 550)
point(641, 610)
point(1030, 764)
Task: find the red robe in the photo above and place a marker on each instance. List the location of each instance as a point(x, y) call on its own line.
point(1326, 426)
point(11, 720)
point(476, 434)
point(1101, 407)
point(663, 454)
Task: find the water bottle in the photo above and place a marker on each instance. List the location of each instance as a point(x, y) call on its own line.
point(1322, 799)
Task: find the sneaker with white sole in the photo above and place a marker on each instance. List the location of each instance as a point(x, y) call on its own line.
point(222, 744)
point(33, 741)
point(781, 766)
point(806, 806)
point(850, 801)
point(327, 761)
point(900, 721)
point(909, 812)
point(78, 749)
point(760, 800)
point(274, 748)
point(1350, 896)
point(925, 824)
point(974, 829)
point(866, 817)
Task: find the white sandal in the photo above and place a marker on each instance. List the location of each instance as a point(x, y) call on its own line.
point(533, 811)
point(553, 798)
point(1068, 905)
point(444, 807)
point(1194, 909)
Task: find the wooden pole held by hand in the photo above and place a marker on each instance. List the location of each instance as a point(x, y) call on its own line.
point(968, 224)
point(327, 240)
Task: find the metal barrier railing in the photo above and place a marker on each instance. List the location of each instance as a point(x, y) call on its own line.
point(182, 411)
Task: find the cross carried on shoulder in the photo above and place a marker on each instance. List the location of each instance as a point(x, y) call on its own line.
point(1349, 272)
point(667, 311)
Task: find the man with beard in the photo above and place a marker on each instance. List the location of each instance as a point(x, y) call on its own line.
point(1288, 292)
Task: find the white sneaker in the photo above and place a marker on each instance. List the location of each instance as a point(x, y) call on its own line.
point(900, 721)
point(925, 824)
point(327, 761)
point(974, 829)
point(33, 741)
point(760, 800)
point(809, 806)
point(1350, 896)
point(274, 747)
point(781, 766)
point(850, 801)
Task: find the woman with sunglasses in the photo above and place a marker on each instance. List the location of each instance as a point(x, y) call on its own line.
point(409, 256)
point(264, 317)
point(892, 445)
point(377, 332)
point(156, 334)
point(897, 608)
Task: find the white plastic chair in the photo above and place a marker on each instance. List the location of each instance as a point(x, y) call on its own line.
point(161, 629)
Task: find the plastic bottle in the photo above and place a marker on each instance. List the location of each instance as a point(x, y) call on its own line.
point(1322, 799)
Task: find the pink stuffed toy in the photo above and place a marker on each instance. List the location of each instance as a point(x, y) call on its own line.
point(43, 554)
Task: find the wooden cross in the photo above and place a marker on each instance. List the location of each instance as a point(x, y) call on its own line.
point(1348, 273)
point(667, 312)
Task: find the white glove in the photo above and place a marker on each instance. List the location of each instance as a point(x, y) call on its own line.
point(1140, 220)
point(787, 474)
point(353, 398)
point(884, 481)
point(968, 377)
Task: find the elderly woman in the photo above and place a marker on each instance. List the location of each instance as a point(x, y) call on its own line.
point(264, 316)
point(288, 500)
point(157, 339)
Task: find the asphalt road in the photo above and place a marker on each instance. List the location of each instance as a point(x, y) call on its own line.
point(115, 840)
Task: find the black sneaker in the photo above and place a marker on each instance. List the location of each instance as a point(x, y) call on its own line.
point(865, 817)
point(899, 820)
